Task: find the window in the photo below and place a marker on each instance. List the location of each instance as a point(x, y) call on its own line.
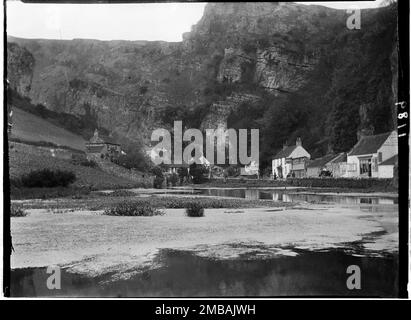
point(365, 166)
point(351, 167)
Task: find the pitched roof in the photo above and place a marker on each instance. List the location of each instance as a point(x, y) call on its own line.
point(369, 144)
point(98, 139)
point(390, 161)
point(321, 162)
point(109, 140)
point(342, 157)
point(284, 153)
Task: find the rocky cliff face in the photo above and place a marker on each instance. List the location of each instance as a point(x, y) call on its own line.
point(20, 65)
point(237, 53)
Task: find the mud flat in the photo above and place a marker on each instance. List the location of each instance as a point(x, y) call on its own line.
point(103, 251)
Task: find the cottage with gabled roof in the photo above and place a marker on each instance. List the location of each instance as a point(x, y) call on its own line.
point(105, 146)
point(290, 161)
point(371, 151)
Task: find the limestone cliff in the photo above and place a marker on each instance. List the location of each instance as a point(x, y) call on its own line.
point(238, 53)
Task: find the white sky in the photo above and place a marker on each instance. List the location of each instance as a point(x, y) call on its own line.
point(153, 21)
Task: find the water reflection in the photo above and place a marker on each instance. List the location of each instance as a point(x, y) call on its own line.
point(275, 195)
point(184, 274)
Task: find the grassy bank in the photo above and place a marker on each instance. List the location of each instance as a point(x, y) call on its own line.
point(25, 158)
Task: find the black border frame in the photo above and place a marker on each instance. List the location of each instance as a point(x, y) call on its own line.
point(403, 144)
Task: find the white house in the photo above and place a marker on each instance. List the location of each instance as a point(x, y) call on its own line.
point(386, 168)
point(290, 160)
point(369, 153)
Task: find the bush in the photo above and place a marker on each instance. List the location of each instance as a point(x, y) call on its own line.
point(88, 163)
point(133, 209)
point(17, 211)
point(173, 179)
point(47, 178)
point(198, 172)
point(195, 210)
point(182, 174)
point(159, 179)
point(158, 182)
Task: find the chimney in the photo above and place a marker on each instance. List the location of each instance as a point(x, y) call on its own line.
point(96, 132)
point(285, 145)
point(298, 142)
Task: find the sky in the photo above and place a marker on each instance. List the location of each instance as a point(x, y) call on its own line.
point(152, 21)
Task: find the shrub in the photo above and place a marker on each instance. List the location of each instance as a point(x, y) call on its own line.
point(159, 177)
point(173, 179)
point(182, 174)
point(195, 210)
point(47, 178)
point(158, 182)
point(17, 211)
point(198, 172)
point(133, 209)
point(88, 163)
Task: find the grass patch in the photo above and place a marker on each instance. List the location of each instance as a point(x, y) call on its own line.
point(95, 201)
point(195, 210)
point(20, 193)
point(122, 193)
point(133, 209)
point(17, 211)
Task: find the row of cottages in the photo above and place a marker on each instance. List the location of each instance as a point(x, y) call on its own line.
point(104, 146)
point(372, 157)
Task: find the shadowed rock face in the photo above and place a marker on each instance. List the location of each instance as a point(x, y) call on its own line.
point(20, 64)
point(253, 49)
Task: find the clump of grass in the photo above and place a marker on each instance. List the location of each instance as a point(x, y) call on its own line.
point(133, 209)
point(122, 193)
point(17, 211)
point(195, 210)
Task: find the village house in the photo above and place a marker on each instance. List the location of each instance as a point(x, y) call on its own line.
point(369, 153)
point(386, 168)
point(335, 164)
point(290, 161)
point(315, 167)
point(106, 147)
point(338, 165)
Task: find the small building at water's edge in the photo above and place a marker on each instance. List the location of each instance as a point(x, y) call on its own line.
point(290, 161)
point(369, 153)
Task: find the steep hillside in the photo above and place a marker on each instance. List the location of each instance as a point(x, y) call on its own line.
point(28, 127)
point(24, 158)
point(290, 70)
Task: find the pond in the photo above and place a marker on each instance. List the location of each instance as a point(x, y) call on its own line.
point(183, 274)
point(292, 196)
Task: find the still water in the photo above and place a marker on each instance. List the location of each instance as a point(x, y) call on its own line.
point(289, 196)
point(184, 274)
